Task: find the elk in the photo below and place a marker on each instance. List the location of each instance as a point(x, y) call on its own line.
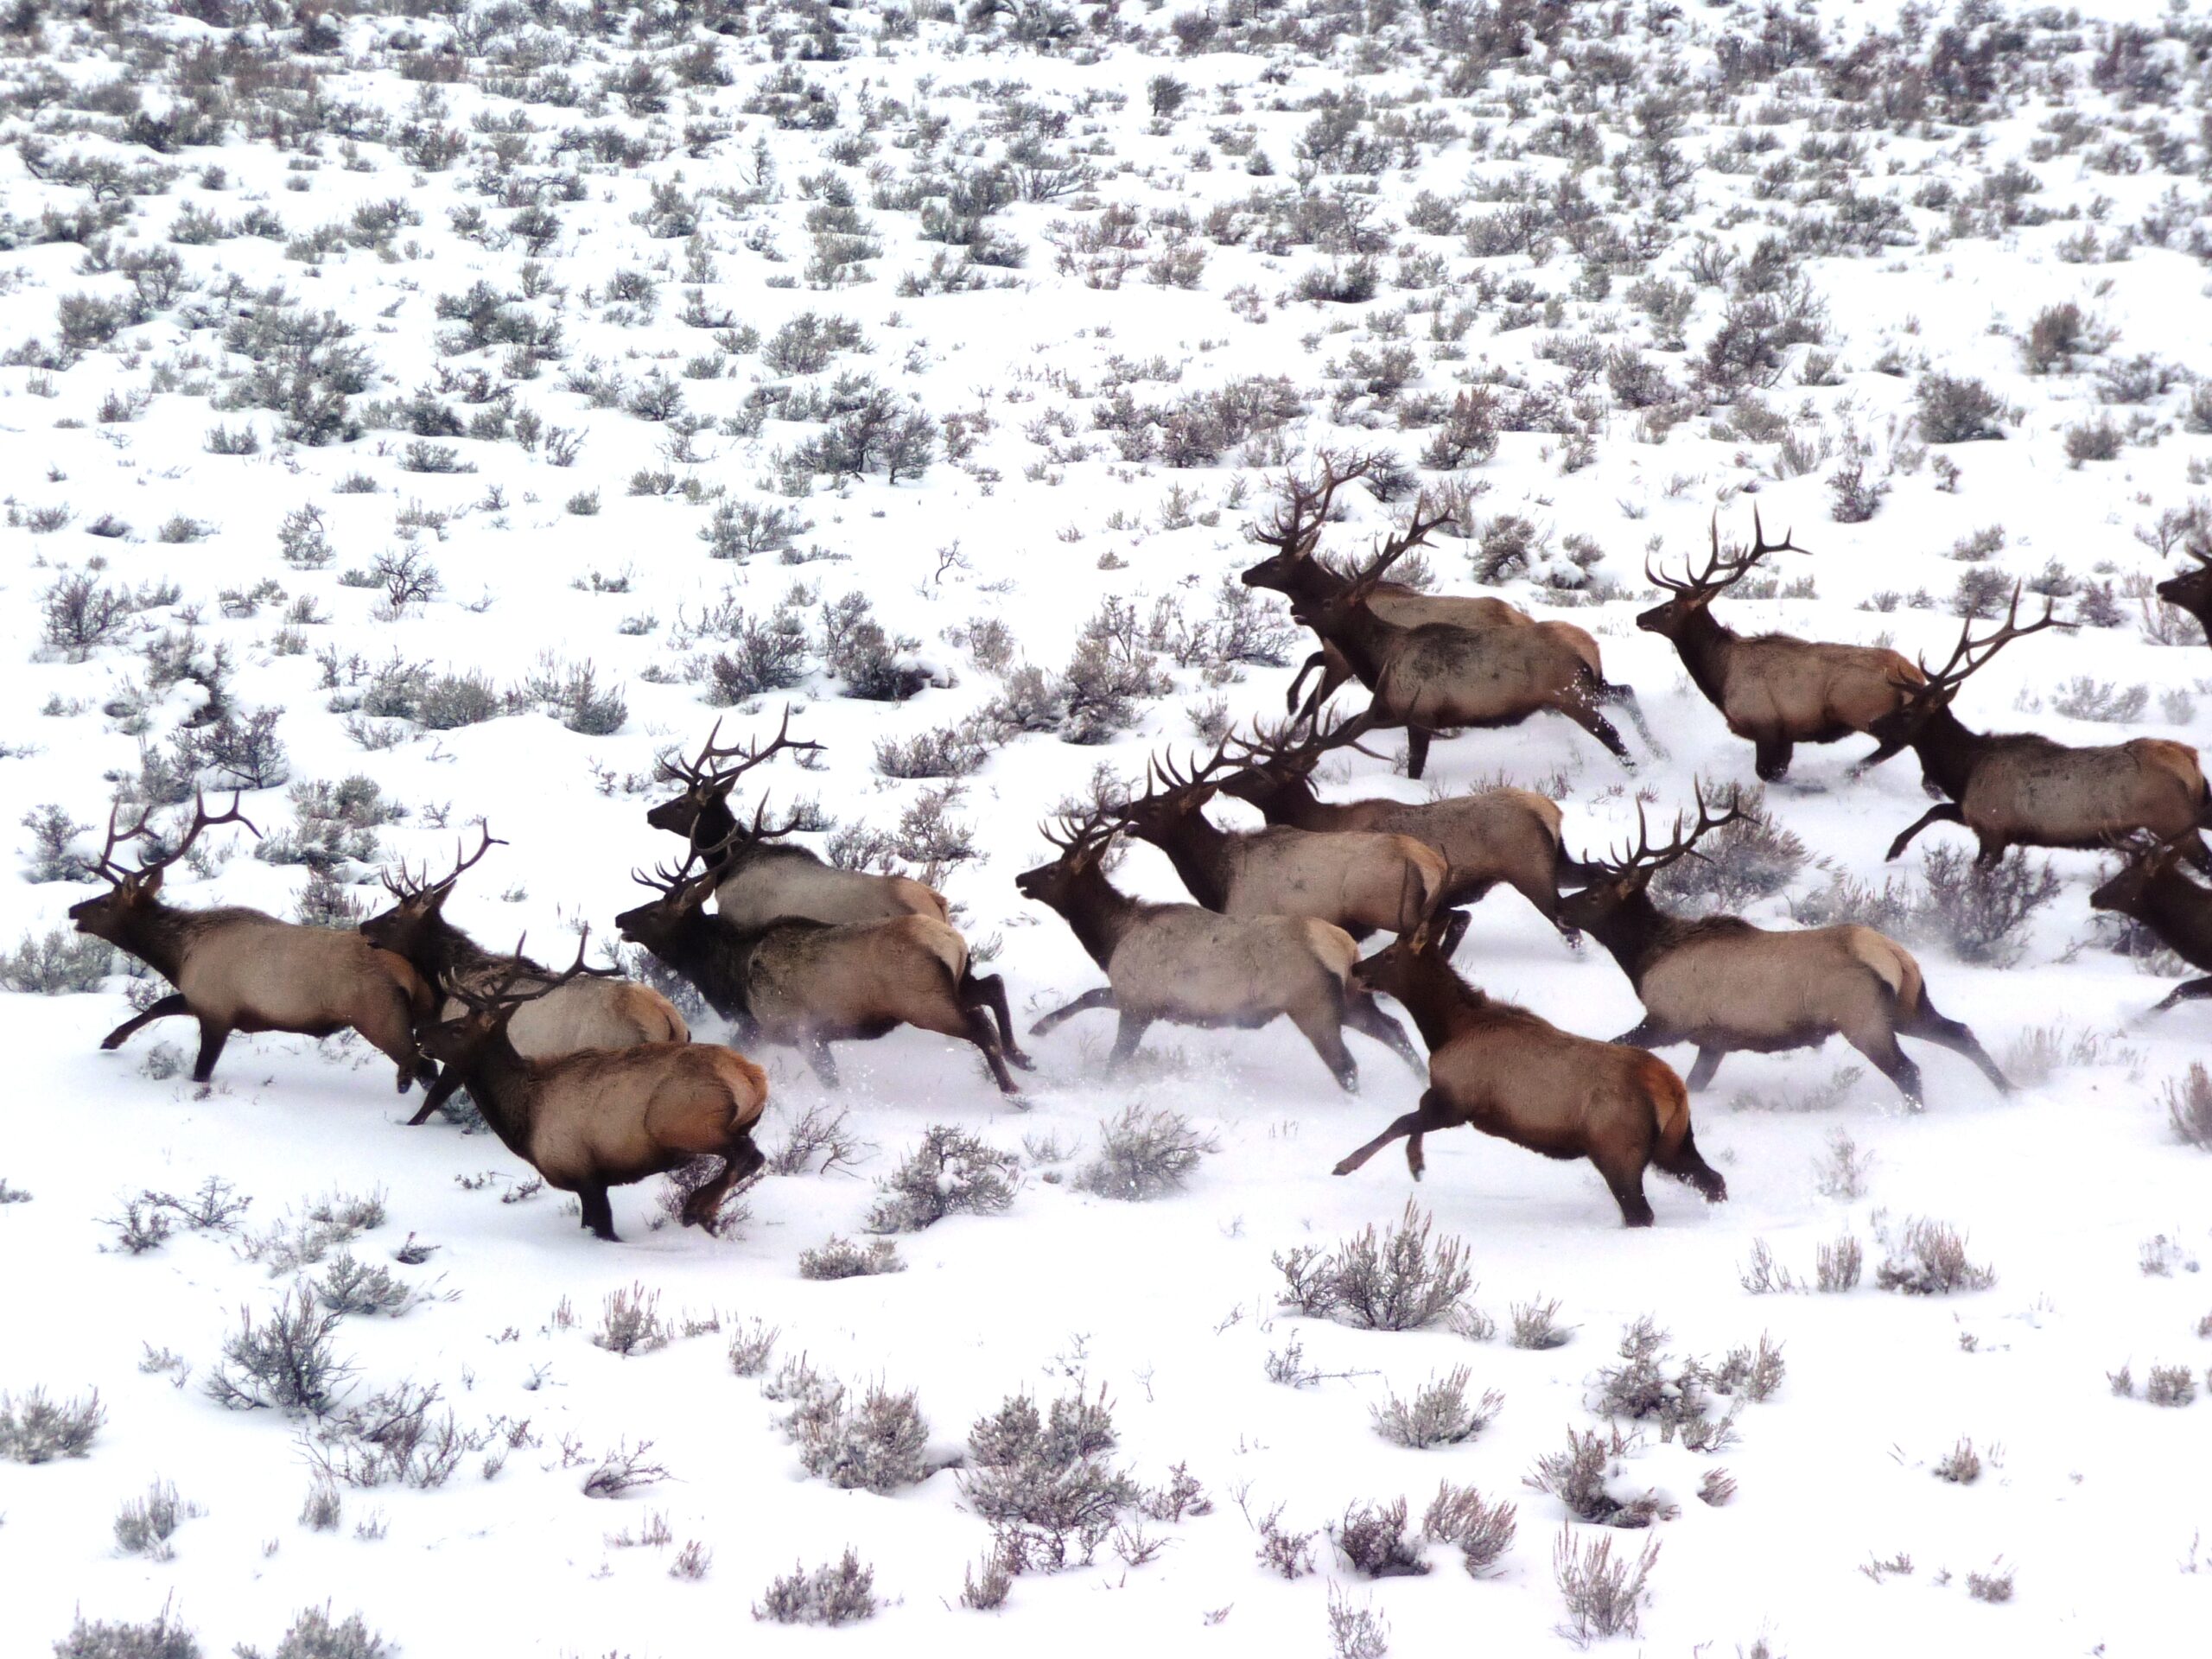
point(2150, 888)
point(2022, 789)
point(1504, 1071)
point(1195, 967)
point(603, 1117)
point(236, 969)
point(1493, 835)
point(757, 880)
point(1439, 676)
point(1725, 986)
point(1776, 690)
point(590, 1012)
point(805, 984)
point(1294, 571)
point(1361, 881)
point(2191, 590)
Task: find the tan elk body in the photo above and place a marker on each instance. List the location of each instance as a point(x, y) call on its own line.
point(600, 1118)
point(1774, 689)
point(238, 969)
point(1190, 966)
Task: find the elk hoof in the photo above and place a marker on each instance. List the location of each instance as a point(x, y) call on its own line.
point(1344, 1168)
point(1022, 1061)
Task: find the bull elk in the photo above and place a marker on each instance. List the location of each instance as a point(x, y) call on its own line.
point(603, 1117)
point(806, 984)
point(1194, 967)
point(2150, 888)
point(1725, 986)
point(1439, 676)
point(238, 969)
point(1500, 1069)
point(1295, 569)
point(2023, 789)
point(1776, 690)
point(589, 1012)
point(757, 878)
point(1361, 880)
point(1491, 836)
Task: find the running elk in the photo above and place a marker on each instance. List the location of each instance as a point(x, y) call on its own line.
point(1493, 835)
point(1771, 687)
point(1725, 986)
point(1501, 1069)
point(806, 984)
point(1439, 676)
point(756, 879)
point(238, 969)
point(2022, 789)
point(604, 1117)
point(2150, 889)
point(589, 1012)
point(1361, 881)
point(1195, 967)
point(1295, 569)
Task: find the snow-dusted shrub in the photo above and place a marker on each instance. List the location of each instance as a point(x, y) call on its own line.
point(1836, 1266)
point(1960, 1465)
point(1043, 1481)
point(631, 1322)
point(161, 1638)
point(1371, 1538)
point(1977, 911)
point(144, 1526)
point(1587, 1474)
point(874, 1443)
point(282, 1362)
point(2169, 1385)
point(2189, 1107)
point(1439, 1413)
point(60, 964)
point(1604, 1596)
point(1483, 1530)
point(313, 1636)
point(1535, 1324)
point(624, 1470)
point(34, 1429)
point(844, 1258)
point(1383, 1281)
point(1958, 410)
point(1144, 1153)
point(841, 1592)
point(951, 1172)
point(1931, 1259)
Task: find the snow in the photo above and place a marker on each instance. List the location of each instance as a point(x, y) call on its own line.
point(2094, 1501)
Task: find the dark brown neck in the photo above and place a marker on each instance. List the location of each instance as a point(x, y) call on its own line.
point(1291, 801)
point(1098, 912)
point(1704, 646)
point(2179, 912)
point(1202, 853)
point(1948, 751)
point(1639, 933)
point(1442, 1004)
point(501, 1084)
point(709, 953)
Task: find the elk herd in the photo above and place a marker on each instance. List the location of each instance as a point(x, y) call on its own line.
point(595, 1080)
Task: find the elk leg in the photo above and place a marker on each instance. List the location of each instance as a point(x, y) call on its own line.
point(1626, 1184)
point(1646, 1032)
point(985, 1037)
point(1894, 1064)
point(1455, 929)
point(1942, 812)
point(1101, 998)
point(2186, 992)
point(1417, 741)
point(1931, 1026)
point(703, 1208)
point(173, 1003)
point(446, 1086)
point(824, 1063)
point(1708, 1062)
point(213, 1036)
point(1624, 698)
point(1771, 758)
point(1325, 1030)
point(2194, 850)
point(1133, 1028)
point(1363, 1015)
point(988, 990)
point(1433, 1112)
point(1584, 713)
point(598, 1214)
point(1686, 1164)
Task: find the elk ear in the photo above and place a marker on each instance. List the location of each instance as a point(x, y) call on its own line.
point(435, 900)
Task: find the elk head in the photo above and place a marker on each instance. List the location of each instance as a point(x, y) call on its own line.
point(1696, 590)
point(1082, 844)
point(1615, 881)
point(419, 904)
point(1276, 757)
point(2149, 861)
point(1921, 702)
point(706, 782)
point(683, 894)
point(1173, 795)
point(2191, 590)
point(1320, 614)
point(133, 894)
point(486, 1010)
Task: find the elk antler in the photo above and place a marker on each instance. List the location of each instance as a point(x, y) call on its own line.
point(1295, 526)
point(1722, 570)
point(706, 772)
point(501, 998)
point(406, 887)
point(1078, 835)
point(1646, 860)
point(1415, 532)
point(1971, 654)
point(1279, 745)
point(200, 820)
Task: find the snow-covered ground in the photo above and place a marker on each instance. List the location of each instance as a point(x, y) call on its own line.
point(1542, 201)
